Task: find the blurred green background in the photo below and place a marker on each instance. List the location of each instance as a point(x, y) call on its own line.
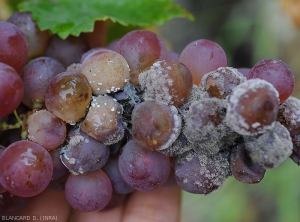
point(249, 31)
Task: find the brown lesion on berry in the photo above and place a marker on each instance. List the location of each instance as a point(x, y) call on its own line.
point(215, 118)
point(212, 88)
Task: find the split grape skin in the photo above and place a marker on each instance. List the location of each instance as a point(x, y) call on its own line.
point(13, 46)
point(67, 96)
point(142, 168)
point(26, 168)
point(11, 89)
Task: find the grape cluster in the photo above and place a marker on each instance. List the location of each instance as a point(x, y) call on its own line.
point(100, 123)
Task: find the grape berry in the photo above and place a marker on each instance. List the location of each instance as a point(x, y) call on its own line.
point(100, 123)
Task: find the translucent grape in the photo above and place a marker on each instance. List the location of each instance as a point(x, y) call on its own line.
point(103, 121)
point(244, 71)
point(252, 108)
point(11, 89)
point(141, 48)
point(67, 51)
point(36, 76)
point(155, 125)
point(200, 173)
point(271, 148)
point(88, 192)
point(13, 46)
point(68, 96)
point(83, 154)
point(167, 81)
point(202, 56)
point(37, 40)
point(143, 169)
point(277, 73)
point(26, 168)
point(106, 71)
point(46, 129)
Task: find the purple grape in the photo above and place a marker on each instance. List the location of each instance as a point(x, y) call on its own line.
point(243, 168)
point(13, 46)
point(59, 169)
point(111, 168)
point(46, 129)
point(37, 40)
point(11, 89)
point(244, 71)
point(202, 56)
point(277, 73)
point(200, 173)
point(11, 204)
point(143, 169)
point(141, 48)
point(36, 76)
point(66, 51)
point(26, 168)
point(116, 200)
point(83, 154)
point(88, 192)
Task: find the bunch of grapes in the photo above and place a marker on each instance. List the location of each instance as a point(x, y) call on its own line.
point(100, 122)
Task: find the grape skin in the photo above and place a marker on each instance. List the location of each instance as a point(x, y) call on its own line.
point(202, 56)
point(13, 46)
point(252, 108)
point(36, 76)
point(26, 168)
point(277, 73)
point(11, 89)
point(67, 96)
point(46, 129)
point(143, 169)
point(88, 192)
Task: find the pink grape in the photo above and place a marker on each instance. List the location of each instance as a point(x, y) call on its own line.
point(202, 56)
point(11, 89)
point(276, 72)
point(88, 192)
point(26, 168)
point(141, 48)
point(13, 46)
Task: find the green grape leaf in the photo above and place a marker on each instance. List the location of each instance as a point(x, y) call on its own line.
point(71, 17)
